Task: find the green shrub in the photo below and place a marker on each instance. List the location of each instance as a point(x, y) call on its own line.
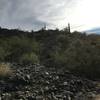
point(29, 58)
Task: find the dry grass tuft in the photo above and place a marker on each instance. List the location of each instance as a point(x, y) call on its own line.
point(5, 70)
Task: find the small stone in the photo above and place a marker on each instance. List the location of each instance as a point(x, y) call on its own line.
point(59, 96)
point(57, 77)
point(69, 98)
point(46, 88)
point(31, 98)
point(0, 98)
point(28, 77)
point(46, 73)
point(65, 83)
point(39, 98)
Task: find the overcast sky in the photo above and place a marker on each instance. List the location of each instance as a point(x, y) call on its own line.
point(33, 14)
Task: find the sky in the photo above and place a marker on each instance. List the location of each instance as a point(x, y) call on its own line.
point(34, 14)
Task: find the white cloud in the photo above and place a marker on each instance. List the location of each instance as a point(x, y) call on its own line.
point(29, 14)
point(86, 13)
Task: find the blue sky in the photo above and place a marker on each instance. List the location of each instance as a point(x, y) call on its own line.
point(33, 14)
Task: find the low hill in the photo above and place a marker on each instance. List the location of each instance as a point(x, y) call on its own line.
point(76, 51)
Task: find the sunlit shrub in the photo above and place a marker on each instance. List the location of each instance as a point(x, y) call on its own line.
point(5, 70)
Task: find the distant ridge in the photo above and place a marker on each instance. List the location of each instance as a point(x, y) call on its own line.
point(94, 30)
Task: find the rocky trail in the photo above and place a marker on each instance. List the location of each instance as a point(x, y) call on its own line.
point(35, 82)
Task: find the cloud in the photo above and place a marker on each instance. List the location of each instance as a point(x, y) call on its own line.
point(86, 14)
point(30, 14)
point(33, 14)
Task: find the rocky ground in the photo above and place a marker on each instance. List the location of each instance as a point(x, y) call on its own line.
point(35, 82)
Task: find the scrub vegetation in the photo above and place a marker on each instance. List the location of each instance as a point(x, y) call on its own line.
point(74, 51)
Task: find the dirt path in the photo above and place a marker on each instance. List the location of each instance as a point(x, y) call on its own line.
point(97, 97)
